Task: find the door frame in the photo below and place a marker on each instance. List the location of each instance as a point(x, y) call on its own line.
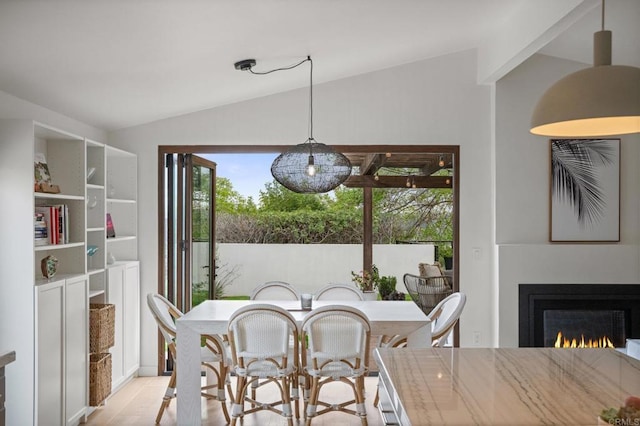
point(277, 149)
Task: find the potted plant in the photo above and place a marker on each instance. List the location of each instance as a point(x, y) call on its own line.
point(368, 282)
point(387, 289)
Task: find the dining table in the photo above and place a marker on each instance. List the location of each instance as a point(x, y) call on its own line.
point(212, 317)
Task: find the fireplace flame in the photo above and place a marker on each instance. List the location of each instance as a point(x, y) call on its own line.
point(563, 342)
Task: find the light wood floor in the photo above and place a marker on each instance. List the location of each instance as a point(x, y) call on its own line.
point(138, 401)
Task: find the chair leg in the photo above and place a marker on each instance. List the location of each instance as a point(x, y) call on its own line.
point(168, 395)
point(358, 390)
point(313, 399)
point(237, 409)
point(221, 385)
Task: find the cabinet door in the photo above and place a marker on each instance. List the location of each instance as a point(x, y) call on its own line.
point(76, 329)
point(115, 296)
point(49, 352)
point(131, 318)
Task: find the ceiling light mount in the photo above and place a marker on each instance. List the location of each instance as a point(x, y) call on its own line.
point(245, 64)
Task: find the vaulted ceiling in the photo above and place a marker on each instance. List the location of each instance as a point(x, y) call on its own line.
point(119, 63)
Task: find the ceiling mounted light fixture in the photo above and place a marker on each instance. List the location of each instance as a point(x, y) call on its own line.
point(310, 167)
point(597, 101)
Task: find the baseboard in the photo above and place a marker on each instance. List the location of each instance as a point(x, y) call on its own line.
point(149, 371)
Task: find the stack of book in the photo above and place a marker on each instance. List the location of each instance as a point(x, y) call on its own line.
point(51, 225)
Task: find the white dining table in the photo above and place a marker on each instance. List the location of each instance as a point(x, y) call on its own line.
point(212, 316)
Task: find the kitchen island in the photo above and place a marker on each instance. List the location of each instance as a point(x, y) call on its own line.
point(502, 386)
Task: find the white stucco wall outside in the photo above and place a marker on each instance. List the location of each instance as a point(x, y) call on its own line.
point(308, 267)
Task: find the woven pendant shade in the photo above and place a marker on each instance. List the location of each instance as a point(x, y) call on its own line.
point(290, 168)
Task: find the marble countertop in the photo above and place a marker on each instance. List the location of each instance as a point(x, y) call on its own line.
point(508, 386)
point(7, 357)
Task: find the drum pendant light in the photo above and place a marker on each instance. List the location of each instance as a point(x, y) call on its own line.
point(598, 101)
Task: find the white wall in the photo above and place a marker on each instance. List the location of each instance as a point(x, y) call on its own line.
point(522, 202)
point(431, 102)
point(16, 108)
point(309, 267)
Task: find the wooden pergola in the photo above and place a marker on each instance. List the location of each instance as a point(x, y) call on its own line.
point(408, 167)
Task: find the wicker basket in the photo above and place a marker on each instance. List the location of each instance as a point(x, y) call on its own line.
point(101, 327)
point(99, 378)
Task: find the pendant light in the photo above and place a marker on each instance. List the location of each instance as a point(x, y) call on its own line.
point(597, 101)
point(310, 167)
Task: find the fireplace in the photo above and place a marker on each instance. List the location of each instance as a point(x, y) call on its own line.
point(588, 310)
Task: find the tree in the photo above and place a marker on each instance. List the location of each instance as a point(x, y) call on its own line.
point(228, 200)
point(277, 198)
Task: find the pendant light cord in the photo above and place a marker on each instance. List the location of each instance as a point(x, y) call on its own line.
point(602, 15)
point(310, 99)
point(290, 67)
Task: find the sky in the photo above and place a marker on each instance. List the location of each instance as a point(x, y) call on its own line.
point(248, 173)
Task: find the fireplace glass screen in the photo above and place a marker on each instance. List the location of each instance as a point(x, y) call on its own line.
point(592, 324)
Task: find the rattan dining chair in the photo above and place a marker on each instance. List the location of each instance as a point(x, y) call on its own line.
point(275, 290)
point(260, 337)
point(213, 355)
point(339, 292)
point(427, 292)
point(335, 348)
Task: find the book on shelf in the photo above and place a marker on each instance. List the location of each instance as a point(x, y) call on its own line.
point(111, 231)
point(56, 224)
point(41, 234)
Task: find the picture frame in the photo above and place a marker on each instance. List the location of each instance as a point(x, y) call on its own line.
point(41, 169)
point(584, 190)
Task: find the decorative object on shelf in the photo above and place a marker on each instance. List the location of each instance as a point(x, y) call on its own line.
point(91, 171)
point(111, 259)
point(111, 232)
point(585, 190)
point(91, 250)
point(310, 167)
point(48, 266)
point(597, 101)
point(92, 201)
point(42, 175)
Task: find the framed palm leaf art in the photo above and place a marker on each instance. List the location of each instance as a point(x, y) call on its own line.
point(585, 190)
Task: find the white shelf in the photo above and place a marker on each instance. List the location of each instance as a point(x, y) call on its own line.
point(58, 246)
point(46, 195)
point(95, 271)
point(92, 186)
point(95, 229)
point(120, 201)
point(94, 293)
point(118, 239)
